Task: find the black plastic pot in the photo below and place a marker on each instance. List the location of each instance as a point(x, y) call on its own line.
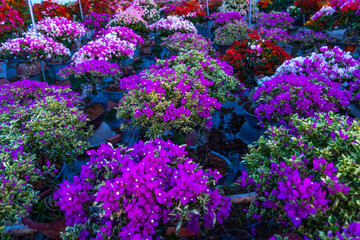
point(250, 118)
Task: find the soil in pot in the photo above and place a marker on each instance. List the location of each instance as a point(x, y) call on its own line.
point(113, 89)
point(94, 110)
point(249, 108)
point(41, 218)
point(214, 162)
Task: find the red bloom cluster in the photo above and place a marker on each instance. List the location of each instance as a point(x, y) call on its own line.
point(254, 56)
point(190, 10)
point(309, 7)
point(10, 20)
point(49, 8)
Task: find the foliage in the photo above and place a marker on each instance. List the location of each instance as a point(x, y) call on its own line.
point(135, 193)
point(309, 39)
point(165, 100)
point(201, 65)
point(241, 6)
point(231, 32)
point(307, 174)
point(185, 42)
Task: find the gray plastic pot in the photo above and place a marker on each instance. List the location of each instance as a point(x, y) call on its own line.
point(55, 68)
point(250, 118)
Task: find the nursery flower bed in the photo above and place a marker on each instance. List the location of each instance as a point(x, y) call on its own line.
point(150, 128)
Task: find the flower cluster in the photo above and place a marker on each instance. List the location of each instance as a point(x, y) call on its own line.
point(264, 5)
point(92, 70)
point(61, 29)
point(147, 8)
point(273, 20)
point(42, 128)
point(123, 33)
point(96, 21)
point(109, 48)
point(134, 193)
point(334, 64)
point(241, 6)
point(308, 177)
point(220, 18)
point(231, 32)
point(283, 96)
point(350, 233)
point(17, 171)
point(34, 49)
point(10, 20)
point(186, 42)
point(254, 56)
point(131, 18)
point(22, 7)
point(324, 11)
point(167, 100)
point(309, 39)
point(190, 10)
point(172, 24)
point(201, 65)
point(308, 7)
point(49, 8)
point(275, 35)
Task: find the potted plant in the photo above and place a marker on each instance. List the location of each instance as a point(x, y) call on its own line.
point(61, 30)
point(95, 22)
point(131, 18)
point(109, 48)
point(222, 18)
point(33, 49)
point(281, 20)
point(198, 64)
point(123, 194)
point(172, 24)
point(148, 9)
point(241, 6)
point(93, 71)
point(254, 56)
point(185, 42)
point(282, 96)
point(301, 156)
point(190, 10)
point(42, 122)
point(11, 20)
point(227, 34)
point(186, 106)
point(125, 34)
point(309, 41)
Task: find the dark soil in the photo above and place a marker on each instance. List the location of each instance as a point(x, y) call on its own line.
point(214, 162)
point(113, 89)
point(249, 108)
point(94, 110)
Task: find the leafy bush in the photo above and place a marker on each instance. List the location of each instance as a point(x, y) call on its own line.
point(283, 96)
point(185, 42)
point(136, 193)
point(307, 174)
point(230, 32)
point(166, 100)
point(201, 65)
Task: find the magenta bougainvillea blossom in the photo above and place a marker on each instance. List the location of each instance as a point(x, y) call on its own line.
point(307, 179)
point(133, 193)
